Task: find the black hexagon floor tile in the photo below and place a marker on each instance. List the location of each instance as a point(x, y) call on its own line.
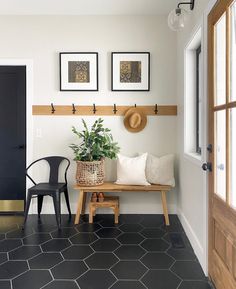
point(83, 238)
point(47, 249)
point(8, 245)
point(36, 239)
point(130, 218)
point(157, 261)
point(152, 233)
point(55, 245)
point(161, 279)
point(152, 221)
point(88, 228)
point(11, 269)
point(182, 254)
point(69, 270)
point(129, 270)
point(33, 279)
point(130, 238)
point(24, 252)
point(64, 233)
point(129, 252)
point(45, 228)
point(3, 258)
point(7, 227)
point(173, 227)
point(77, 252)
point(5, 284)
point(45, 261)
point(188, 270)
point(108, 232)
point(109, 223)
point(59, 284)
point(96, 279)
point(19, 233)
point(131, 228)
point(194, 285)
point(155, 245)
point(128, 285)
point(101, 260)
point(106, 245)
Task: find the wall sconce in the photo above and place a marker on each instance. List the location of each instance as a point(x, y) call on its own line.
point(178, 16)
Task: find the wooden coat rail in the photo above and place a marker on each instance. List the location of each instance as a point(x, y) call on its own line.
point(101, 110)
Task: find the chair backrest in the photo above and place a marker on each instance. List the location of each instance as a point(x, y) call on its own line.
point(54, 164)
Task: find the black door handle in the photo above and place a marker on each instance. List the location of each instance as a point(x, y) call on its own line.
point(207, 167)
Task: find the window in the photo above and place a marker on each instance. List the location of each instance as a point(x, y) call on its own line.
point(193, 97)
point(198, 100)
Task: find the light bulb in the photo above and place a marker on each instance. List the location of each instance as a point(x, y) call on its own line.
point(177, 18)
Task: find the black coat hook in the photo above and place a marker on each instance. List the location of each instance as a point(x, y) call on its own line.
point(73, 108)
point(94, 108)
point(114, 109)
point(53, 109)
point(156, 110)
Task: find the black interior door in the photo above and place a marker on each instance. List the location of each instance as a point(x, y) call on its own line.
point(12, 134)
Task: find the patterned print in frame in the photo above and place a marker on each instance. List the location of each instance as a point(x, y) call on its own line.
point(130, 71)
point(78, 71)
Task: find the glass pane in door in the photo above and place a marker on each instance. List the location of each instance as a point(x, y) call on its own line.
point(220, 61)
point(233, 158)
point(233, 52)
point(220, 146)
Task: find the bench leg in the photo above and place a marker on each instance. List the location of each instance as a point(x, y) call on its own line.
point(165, 210)
point(79, 209)
point(116, 213)
point(91, 212)
point(84, 203)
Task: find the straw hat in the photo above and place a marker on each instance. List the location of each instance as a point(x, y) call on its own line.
point(135, 120)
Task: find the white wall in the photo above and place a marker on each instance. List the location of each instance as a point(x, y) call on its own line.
point(41, 38)
point(192, 201)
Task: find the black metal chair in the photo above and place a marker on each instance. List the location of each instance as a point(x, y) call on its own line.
point(52, 188)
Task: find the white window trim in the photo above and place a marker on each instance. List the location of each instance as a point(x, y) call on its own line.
point(193, 157)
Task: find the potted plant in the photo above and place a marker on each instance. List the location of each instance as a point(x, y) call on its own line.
point(95, 145)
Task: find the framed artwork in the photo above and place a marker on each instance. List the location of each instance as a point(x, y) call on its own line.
point(79, 71)
point(130, 71)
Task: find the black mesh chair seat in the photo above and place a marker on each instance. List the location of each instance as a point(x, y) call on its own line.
point(47, 189)
point(52, 188)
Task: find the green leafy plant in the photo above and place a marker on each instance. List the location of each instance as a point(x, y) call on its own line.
point(95, 144)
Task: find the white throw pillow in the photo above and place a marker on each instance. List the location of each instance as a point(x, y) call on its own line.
point(160, 170)
point(131, 171)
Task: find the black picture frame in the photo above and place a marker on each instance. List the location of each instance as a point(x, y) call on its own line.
point(87, 80)
point(143, 75)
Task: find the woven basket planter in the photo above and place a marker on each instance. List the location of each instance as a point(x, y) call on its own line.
point(90, 173)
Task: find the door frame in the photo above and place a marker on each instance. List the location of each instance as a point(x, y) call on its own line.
point(210, 6)
point(28, 63)
point(207, 11)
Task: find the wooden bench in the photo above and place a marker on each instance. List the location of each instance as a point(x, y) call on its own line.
point(111, 187)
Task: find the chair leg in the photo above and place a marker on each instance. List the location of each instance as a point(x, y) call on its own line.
point(67, 202)
point(27, 206)
point(57, 206)
point(40, 204)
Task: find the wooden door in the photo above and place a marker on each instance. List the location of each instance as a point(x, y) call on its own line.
point(222, 137)
point(12, 138)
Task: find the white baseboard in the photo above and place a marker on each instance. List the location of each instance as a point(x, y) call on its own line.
point(197, 247)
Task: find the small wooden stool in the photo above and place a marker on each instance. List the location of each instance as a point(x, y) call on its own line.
point(109, 202)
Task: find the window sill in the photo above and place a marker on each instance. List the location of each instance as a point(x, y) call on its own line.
point(194, 158)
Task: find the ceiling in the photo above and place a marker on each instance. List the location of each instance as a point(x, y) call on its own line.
point(86, 7)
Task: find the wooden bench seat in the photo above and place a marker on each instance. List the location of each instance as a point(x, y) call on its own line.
point(111, 187)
